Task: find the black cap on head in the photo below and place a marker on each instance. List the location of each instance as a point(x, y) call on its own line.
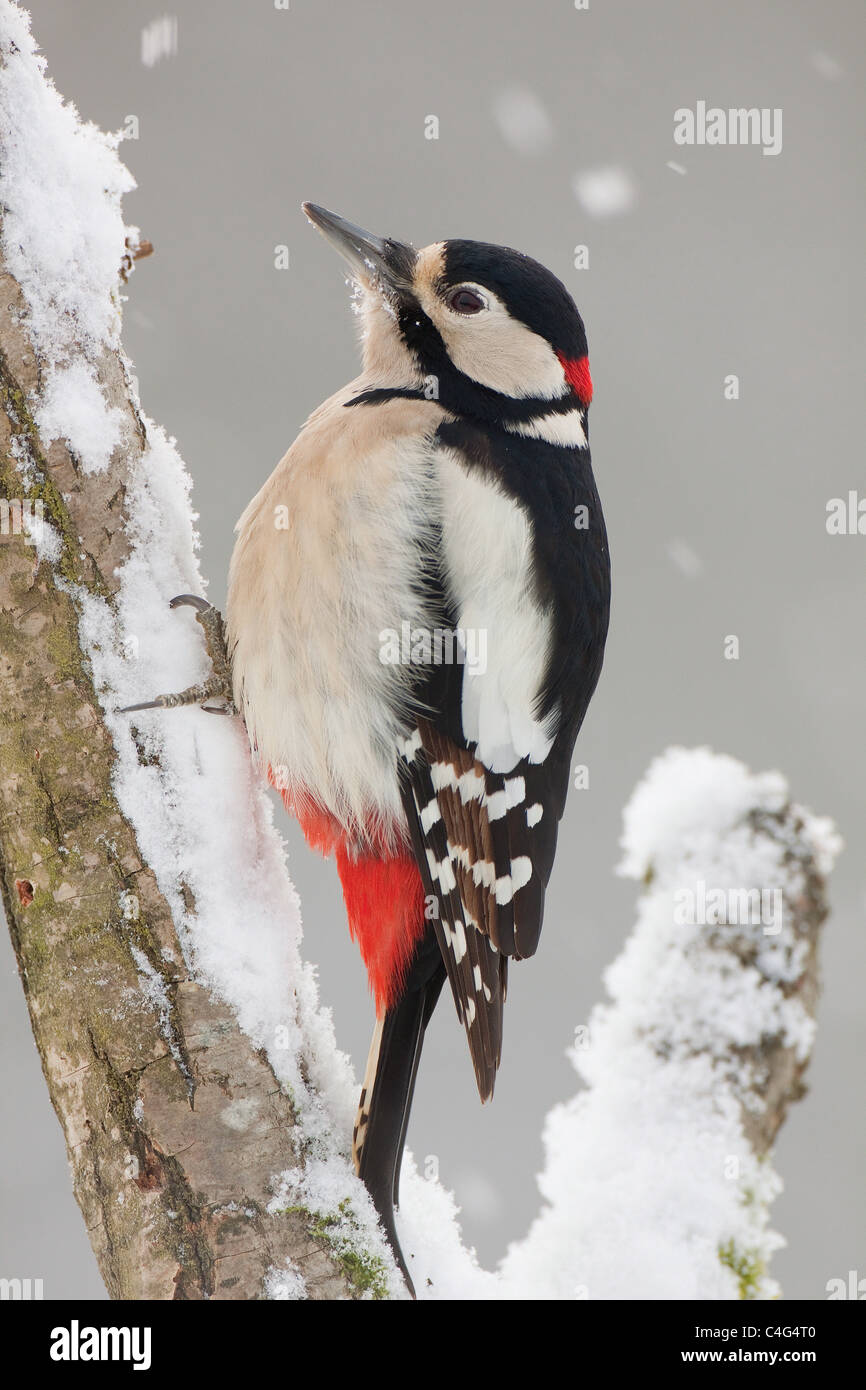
point(530, 292)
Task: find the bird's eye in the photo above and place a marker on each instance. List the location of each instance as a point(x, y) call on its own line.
point(465, 301)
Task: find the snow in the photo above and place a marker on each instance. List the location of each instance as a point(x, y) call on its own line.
point(72, 408)
point(825, 66)
point(647, 1173)
point(442, 1268)
point(154, 990)
point(159, 40)
point(63, 237)
point(688, 799)
point(522, 120)
point(63, 184)
point(686, 559)
point(44, 537)
point(286, 1284)
point(606, 191)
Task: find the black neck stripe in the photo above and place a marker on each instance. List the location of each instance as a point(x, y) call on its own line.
point(503, 409)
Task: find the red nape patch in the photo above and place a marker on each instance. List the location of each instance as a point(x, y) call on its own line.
point(577, 375)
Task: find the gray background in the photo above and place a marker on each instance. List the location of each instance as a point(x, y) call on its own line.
point(746, 264)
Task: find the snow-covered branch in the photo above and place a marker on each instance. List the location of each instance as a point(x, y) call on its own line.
point(657, 1181)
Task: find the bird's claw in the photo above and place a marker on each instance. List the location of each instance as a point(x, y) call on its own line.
point(219, 683)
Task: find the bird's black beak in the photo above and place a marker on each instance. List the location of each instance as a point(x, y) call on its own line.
point(373, 260)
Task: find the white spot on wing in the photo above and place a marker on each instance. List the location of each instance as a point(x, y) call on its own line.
point(471, 786)
point(515, 791)
point(446, 876)
point(430, 815)
point(443, 775)
point(459, 942)
point(482, 870)
point(504, 889)
point(521, 871)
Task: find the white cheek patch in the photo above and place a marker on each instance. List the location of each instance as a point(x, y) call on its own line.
point(495, 349)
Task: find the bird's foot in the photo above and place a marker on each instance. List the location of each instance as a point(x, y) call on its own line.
point(219, 684)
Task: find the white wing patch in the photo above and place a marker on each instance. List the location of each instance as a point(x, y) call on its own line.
point(487, 544)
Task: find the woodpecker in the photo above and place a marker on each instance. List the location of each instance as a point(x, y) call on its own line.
point(417, 611)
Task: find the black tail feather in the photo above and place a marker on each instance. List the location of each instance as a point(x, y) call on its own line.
point(387, 1096)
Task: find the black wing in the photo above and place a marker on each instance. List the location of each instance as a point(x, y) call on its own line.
point(484, 840)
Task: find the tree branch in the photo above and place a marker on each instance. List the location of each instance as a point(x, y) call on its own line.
point(657, 1180)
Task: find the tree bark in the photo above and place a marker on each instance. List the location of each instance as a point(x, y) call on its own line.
point(174, 1200)
point(771, 1075)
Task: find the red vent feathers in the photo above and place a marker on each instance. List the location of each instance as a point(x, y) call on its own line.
point(383, 893)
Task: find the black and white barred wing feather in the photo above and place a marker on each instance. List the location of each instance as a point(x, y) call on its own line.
point(484, 842)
